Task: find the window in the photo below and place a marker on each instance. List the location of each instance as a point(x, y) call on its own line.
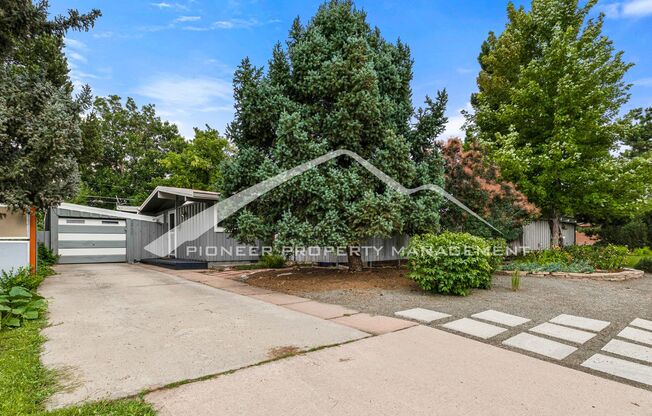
point(75, 221)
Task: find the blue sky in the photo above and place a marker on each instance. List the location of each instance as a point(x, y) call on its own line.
point(180, 55)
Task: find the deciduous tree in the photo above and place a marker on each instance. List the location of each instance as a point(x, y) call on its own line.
point(550, 88)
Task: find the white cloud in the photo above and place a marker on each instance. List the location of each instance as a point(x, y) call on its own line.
point(190, 101)
point(162, 5)
point(74, 44)
point(186, 92)
point(76, 56)
point(235, 23)
point(627, 9)
point(454, 125)
point(182, 19)
point(637, 8)
point(643, 82)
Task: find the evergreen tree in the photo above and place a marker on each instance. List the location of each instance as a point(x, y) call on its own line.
point(550, 88)
point(337, 85)
point(39, 118)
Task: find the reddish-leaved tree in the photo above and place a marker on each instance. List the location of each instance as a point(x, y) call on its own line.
point(477, 183)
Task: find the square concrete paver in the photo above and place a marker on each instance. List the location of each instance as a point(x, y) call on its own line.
point(422, 315)
point(500, 318)
point(541, 346)
point(627, 349)
point(638, 335)
point(580, 322)
point(475, 328)
point(563, 332)
point(620, 368)
point(321, 310)
point(280, 298)
point(374, 324)
point(642, 323)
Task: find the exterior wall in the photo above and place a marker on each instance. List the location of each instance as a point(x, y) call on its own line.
point(139, 234)
point(14, 240)
point(536, 235)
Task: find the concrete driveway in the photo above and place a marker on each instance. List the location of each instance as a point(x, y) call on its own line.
point(116, 329)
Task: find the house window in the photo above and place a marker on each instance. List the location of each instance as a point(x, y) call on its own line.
point(110, 222)
point(75, 221)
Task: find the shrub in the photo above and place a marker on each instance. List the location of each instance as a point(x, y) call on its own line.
point(642, 252)
point(46, 257)
point(609, 257)
point(22, 277)
point(19, 304)
point(272, 261)
point(450, 263)
point(633, 234)
point(645, 264)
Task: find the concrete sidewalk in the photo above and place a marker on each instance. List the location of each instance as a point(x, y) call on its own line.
point(116, 329)
point(416, 371)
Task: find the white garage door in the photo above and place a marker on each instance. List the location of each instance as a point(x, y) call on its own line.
point(86, 240)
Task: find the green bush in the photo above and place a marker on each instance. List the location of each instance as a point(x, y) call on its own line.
point(642, 252)
point(644, 264)
point(17, 305)
point(46, 257)
point(272, 261)
point(450, 263)
point(22, 277)
point(609, 257)
point(633, 234)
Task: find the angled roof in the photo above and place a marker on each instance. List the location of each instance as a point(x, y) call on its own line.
point(167, 197)
point(106, 212)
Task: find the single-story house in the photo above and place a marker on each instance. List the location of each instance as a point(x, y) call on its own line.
point(83, 234)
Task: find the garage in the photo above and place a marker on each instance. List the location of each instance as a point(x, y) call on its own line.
point(92, 240)
point(83, 234)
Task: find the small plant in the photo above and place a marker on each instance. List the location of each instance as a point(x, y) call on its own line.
point(644, 264)
point(19, 304)
point(516, 280)
point(22, 277)
point(46, 257)
point(272, 261)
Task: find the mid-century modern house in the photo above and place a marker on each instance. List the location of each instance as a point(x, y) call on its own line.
point(84, 234)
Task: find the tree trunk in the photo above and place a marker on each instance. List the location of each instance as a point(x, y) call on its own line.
point(555, 231)
point(354, 258)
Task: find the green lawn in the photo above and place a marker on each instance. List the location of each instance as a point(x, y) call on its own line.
point(25, 384)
